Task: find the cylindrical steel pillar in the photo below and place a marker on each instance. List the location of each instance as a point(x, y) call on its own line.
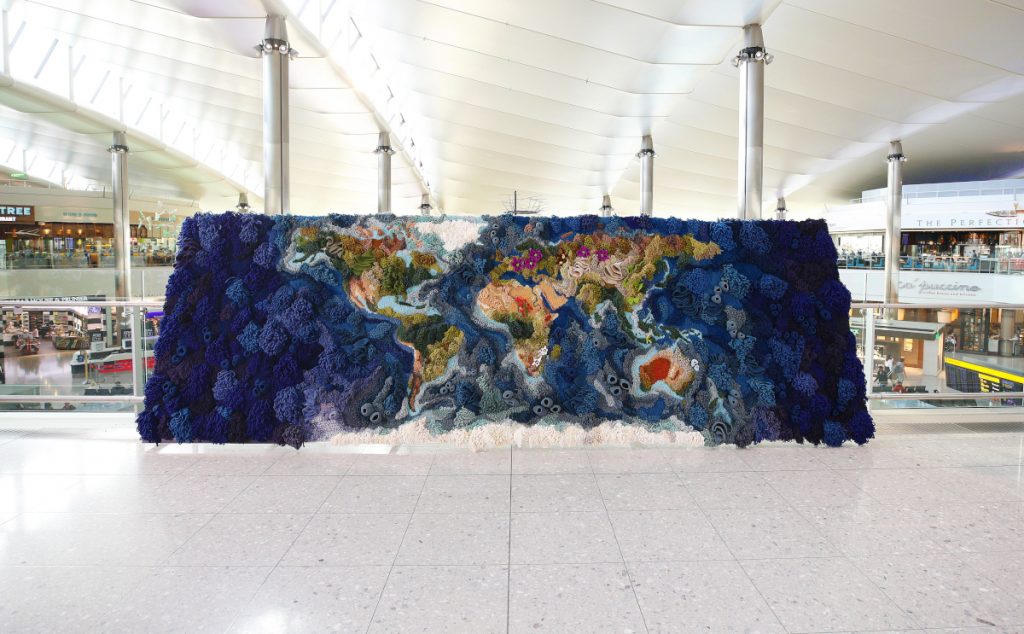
point(893, 220)
point(646, 155)
point(606, 206)
point(384, 152)
point(425, 205)
point(276, 53)
point(751, 61)
point(122, 217)
point(780, 208)
point(128, 319)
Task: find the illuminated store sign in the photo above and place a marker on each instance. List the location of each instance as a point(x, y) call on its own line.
point(870, 217)
point(1005, 219)
point(21, 214)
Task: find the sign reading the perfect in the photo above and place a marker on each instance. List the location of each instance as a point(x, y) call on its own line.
point(21, 214)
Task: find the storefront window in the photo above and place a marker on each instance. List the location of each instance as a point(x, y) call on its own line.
point(81, 245)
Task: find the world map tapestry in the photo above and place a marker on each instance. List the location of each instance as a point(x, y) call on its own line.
point(290, 329)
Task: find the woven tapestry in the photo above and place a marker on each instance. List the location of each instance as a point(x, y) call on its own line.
point(290, 329)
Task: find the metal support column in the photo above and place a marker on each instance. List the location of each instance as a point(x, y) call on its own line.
point(425, 205)
point(122, 217)
point(606, 206)
point(123, 262)
point(276, 53)
point(384, 152)
point(893, 221)
point(751, 61)
point(646, 155)
point(780, 208)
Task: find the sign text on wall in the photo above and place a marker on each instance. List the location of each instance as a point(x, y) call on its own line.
point(18, 213)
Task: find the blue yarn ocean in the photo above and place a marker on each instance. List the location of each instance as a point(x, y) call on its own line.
point(291, 329)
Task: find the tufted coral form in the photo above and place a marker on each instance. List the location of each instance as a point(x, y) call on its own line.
point(289, 329)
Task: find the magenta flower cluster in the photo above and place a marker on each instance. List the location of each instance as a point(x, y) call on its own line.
point(532, 259)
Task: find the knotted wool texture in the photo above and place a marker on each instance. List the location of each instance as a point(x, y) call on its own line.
point(290, 329)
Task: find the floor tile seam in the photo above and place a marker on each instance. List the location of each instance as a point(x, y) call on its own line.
point(860, 571)
point(207, 522)
point(508, 576)
point(865, 492)
point(797, 507)
point(892, 602)
point(387, 577)
point(242, 605)
point(285, 552)
point(551, 563)
point(968, 465)
point(956, 556)
point(618, 546)
point(732, 554)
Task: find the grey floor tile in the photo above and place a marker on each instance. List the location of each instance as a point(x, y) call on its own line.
point(746, 490)
point(284, 494)
point(612, 460)
point(392, 464)
point(465, 494)
point(493, 462)
point(313, 600)
point(704, 459)
point(348, 540)
point(644, 492)
point(550, 461)
point(240, 540)
point(309, 463)
point(561, 492)
point(102, 539)
point(375, 494)
point(443, 539)
point(942, 591)
point(667, 535)
point(563, 538)
point(706, 596)
point(824, 595)
point(122, 598)
point(572, 598)
point(769, 534)
point(444, 599)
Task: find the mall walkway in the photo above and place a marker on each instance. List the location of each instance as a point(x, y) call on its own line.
point(99, 533)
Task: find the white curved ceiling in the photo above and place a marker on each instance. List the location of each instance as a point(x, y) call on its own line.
point(551, 97)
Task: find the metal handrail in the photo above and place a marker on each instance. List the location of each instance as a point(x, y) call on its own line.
point(934, 305)
point(941, 396)
point(71, 303)
point(69, 398)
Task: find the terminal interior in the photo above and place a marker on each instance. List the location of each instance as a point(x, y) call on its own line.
point(898, 123)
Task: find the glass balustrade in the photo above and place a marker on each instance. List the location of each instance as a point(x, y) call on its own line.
point(941, 356)
point(1009, 264)
point(80, 355)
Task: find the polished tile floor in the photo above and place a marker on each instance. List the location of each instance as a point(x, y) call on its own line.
point(914, 532)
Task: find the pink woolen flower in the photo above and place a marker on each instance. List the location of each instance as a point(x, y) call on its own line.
point(583, 252)
point(602, 255)
point(536, 255)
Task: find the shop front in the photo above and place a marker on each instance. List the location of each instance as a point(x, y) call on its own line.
point(49, 238)
point(962, 233)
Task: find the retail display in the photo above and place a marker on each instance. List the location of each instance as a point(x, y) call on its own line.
point(290, 329)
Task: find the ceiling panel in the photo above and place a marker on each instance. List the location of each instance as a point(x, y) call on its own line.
point(546, 98)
